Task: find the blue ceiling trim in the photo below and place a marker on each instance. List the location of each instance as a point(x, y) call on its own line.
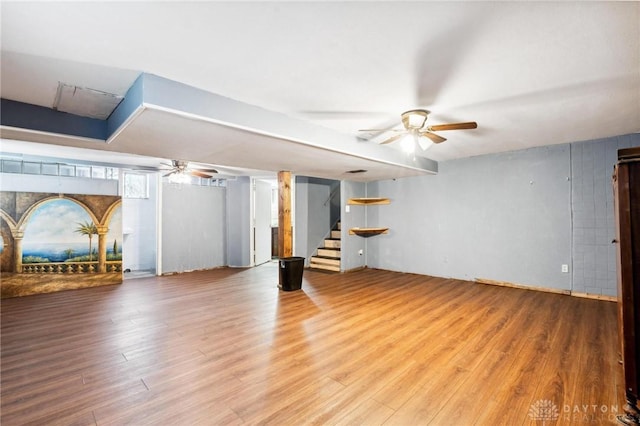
point(35, 117)
point(131, 102)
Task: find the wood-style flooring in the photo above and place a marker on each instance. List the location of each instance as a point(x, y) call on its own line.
point(369, 347)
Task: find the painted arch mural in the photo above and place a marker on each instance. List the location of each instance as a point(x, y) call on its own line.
point(53, 242)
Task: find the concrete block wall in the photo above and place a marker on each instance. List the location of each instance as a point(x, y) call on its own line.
point(593, 221)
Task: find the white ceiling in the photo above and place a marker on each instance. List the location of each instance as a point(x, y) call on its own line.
point(530, 73)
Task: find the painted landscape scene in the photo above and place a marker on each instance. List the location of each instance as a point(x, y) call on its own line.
point(62, 231)
point(63, 245)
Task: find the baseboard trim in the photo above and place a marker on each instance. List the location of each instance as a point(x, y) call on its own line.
point(595, 296)
point(166, 274)
point(521, 286)
point(546, 290)
point(359, 268)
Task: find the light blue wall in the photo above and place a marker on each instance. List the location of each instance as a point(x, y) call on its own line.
point(503, 217)
point(312, 215)
point(238, 208)
point(193, 227)
point(355, 218)
point(514, 217)
point(301, 218)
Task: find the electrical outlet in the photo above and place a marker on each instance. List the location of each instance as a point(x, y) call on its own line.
point(347, 209)
point(565, 267)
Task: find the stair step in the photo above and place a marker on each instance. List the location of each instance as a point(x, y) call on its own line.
point(324, 260)
point(324, 267)
point(331, 243)
point(336, 234)
point(329, 252)
point(339, 226)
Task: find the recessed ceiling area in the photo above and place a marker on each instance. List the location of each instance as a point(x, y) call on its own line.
point(529, 73)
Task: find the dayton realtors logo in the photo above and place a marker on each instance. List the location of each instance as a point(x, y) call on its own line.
point(544, 410)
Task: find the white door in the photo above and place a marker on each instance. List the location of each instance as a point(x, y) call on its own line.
point(262, 222)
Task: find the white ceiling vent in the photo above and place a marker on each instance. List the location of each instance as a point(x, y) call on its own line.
point(85, 102)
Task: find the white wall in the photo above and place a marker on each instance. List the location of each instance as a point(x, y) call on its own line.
point(139, 228)
point(57, 184)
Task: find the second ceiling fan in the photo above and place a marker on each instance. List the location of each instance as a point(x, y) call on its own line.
point(181, 167)
point(414, 122)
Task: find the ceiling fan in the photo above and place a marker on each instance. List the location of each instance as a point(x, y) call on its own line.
point(414, 124)
point(181, 168)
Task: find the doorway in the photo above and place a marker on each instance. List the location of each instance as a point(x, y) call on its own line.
point(262, 220)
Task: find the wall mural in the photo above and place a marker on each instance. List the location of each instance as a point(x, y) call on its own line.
point(53, 242)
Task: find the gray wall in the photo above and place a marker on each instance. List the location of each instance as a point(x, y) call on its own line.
point(356, 218)
point(239, 222)
point(335, 208)
point(193, 227)
point(514, 217)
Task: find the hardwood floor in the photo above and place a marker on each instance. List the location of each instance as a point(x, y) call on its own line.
point(369, 347)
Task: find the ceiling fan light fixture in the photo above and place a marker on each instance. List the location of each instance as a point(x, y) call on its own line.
point(408, 144)
point(425, 143)
point(179, 177)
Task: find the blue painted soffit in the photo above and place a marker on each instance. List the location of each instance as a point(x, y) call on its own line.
point(38, 118)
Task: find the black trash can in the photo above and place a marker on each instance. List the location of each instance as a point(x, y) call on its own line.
point(291, 273)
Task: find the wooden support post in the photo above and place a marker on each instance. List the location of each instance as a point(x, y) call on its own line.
point(285, 236)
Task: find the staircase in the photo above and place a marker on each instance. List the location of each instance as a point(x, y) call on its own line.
point(328, 256)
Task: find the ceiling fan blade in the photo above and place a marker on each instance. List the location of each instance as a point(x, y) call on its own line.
point(198, 174)
point(206, 170)
point(382, 130)
point(434, 138)
point(170, 173)
point(392, 139)
point(453, 126)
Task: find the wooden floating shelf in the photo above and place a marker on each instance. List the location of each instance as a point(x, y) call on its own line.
point(368, 201)
point(368, 232)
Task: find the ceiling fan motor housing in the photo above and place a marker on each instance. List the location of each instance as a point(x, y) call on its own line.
point(414, 119)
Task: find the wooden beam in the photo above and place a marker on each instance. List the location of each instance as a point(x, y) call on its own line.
point(285, 235)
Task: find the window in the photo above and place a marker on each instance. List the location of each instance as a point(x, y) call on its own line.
point(83, 171)
point(67, 170)
point(58, 169)
point(98, 172)
point(31, 168)
point(136, 185)
point(10, 166)
point(50, 169)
